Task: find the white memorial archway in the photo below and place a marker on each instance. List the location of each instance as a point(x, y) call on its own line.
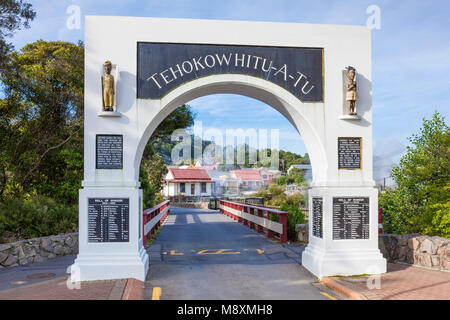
point(114, 141)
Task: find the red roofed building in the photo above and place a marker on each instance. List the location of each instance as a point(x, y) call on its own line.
point(250, 179)
point(187, 182)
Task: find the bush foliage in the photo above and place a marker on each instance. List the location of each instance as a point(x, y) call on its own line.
point(421, 201)
point(34, 217)
point(275, 196)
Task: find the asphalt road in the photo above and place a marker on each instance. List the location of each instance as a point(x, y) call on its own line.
point(14, 277)
point(202, 254)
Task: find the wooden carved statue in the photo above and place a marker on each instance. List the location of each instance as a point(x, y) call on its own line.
point(352, 93)
point(108, 88)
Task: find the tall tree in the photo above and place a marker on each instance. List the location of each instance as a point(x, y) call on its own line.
point(421, 202)
point(14, 14)
point(153, 167)
point(41, 119)
point(182, 117)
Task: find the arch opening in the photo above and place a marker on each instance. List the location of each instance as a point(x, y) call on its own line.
point(262, 90)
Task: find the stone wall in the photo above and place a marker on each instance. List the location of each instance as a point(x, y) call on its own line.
point(425, 251)
point(38, 249)
point(302, 233)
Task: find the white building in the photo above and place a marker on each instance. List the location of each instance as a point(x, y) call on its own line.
point(187, 182)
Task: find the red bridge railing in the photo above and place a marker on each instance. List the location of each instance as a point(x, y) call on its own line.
point(257, 217)
point(152, 219)
point(380, 220)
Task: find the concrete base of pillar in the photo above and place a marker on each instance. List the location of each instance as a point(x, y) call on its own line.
point(343, 263)
point(107, 267)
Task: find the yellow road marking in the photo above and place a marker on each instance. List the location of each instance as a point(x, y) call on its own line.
point(217, 251)
point(224, 251)
point(173, 253)
point(328, 296)
point(260, 251)
point(156, 293)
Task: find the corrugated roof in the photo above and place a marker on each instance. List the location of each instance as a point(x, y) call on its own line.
point(190, 174)
point(247, 175)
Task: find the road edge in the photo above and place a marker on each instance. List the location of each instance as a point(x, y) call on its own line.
point(134, 290)
point(349, 293)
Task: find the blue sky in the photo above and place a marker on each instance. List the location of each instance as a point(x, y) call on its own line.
point(411, 58)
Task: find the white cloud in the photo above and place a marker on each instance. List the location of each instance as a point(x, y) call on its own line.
point(387, 153)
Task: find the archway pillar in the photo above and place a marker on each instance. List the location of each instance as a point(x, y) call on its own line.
point(330, 256)
point(112, 259)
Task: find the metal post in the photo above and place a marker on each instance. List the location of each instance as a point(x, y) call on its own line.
point(283, 221)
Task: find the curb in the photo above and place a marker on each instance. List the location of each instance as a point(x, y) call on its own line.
point(349, 293)
point(134, 290)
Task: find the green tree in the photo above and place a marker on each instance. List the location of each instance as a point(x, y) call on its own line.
point(41, 120)
point(296, 176)
point(287, 159)
point(14, 14)
point(282, 181)
point(182, 117)
point(153, 166)
point(421, 202)
point(295, 215)
point(291, 204)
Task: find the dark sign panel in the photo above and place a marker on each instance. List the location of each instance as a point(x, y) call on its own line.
point(317, 212)
point(108, 220)
point(349, 153)
point(109, 152)
point(350, 218)
point(161, 67)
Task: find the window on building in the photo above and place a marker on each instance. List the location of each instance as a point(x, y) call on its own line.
point(203, 187)
point(193, 189)
point(182, 187)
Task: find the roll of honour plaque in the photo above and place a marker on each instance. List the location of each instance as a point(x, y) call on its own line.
point(350, 218)
point(108, 219)
point(317, 211)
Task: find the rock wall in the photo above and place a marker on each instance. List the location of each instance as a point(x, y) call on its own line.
point(38, 249)
point(425, 251)
point(302, 233)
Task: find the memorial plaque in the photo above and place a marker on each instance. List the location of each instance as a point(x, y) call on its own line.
point(350, 218)
point(108, 219)
point(349, 153)
point(140, 217)
point(162, 67)
point(109, 151)
point(317, 211)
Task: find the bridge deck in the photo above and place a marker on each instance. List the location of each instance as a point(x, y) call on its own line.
point(202, 254)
